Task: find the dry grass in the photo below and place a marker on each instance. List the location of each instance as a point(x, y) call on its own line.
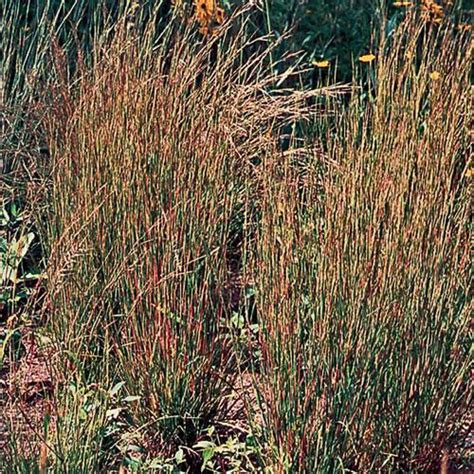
point(151, 165)
point(178, 186)
point(362, 270)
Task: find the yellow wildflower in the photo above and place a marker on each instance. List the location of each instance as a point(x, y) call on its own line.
point(432, 8)
point(464, 27)
point(220, 15)
point(204, 11)
point(321, 64)
point(469, 173)
point(208, 15)
point(367, 58)
point(435, 75)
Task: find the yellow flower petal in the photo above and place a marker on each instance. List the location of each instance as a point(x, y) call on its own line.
point(322, 64)
point(469, 173)
point(464, 27)
point(435, 75)
point(367, 58)
point(402, 4)
point(220, 16)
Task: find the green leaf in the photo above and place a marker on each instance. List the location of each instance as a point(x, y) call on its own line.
point(204, 445)
point(131, 398)
point(113, 413)
point(133, 464)
point(116, 388)
point(15, 254)
point(134, 448)
point(207, 455)
point(179, 456)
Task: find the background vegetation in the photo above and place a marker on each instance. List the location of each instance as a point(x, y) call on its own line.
point(235, 238)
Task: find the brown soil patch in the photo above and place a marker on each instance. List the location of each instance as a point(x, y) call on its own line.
point(25, 389)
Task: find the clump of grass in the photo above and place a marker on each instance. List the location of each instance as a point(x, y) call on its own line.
point(151, 154)
point(362, 272)
point(144, 186)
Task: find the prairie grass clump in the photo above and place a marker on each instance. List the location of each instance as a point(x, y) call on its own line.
point(144, 185)
point(151, 158)
point(362, 272)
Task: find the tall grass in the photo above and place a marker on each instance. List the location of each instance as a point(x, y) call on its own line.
point(144, 187)
point(362, 272)
point(151, 155)
point(169, 162)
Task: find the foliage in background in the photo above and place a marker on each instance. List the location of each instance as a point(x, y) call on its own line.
point(326, 33)
point(336, 33)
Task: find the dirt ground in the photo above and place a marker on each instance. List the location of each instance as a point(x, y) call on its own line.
point(25, 389)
